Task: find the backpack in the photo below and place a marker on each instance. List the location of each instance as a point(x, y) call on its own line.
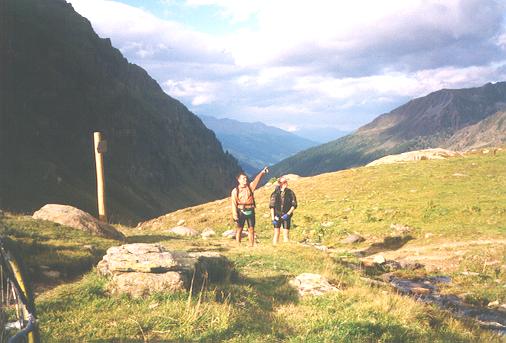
point(251, 193)
point(275, 198)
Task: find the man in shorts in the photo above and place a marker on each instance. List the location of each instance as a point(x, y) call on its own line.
point(243, 205)
point(282, 204)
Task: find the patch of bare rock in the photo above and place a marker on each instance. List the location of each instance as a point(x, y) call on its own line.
point(312, 284)
point(78, 219)
point(141, 269)
point(427, 154)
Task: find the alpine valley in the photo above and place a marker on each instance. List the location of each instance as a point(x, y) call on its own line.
point(449, 118)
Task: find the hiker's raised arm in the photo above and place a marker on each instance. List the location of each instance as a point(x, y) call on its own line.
point(254, 183)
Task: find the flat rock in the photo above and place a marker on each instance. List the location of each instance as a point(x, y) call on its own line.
point(75, 218)
point(402, 229)
point(184, 231)
point(231, 234)
point(208, 233)
point(312, 284)
point(181, 222)
point(379, 259)
point(351, 239)
point(141, 268)
point(142, 284)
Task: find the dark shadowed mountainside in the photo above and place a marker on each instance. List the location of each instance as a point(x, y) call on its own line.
point(60, 82)
point(255, 145)
point(436, 120)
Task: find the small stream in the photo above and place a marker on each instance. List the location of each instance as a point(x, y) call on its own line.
point(426, 290)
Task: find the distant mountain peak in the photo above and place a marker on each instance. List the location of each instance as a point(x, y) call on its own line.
point(438, 119)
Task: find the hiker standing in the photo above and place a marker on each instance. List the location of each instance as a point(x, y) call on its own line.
point(282, 204)
point(243, 205)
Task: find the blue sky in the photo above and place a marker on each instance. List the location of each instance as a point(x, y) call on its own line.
point(306, 64)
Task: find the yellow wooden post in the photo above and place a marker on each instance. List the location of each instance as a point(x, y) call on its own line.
point(100, 148)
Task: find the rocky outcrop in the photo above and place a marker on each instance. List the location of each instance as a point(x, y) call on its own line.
point(141, 269)
point(75, 218)
point(427, 154)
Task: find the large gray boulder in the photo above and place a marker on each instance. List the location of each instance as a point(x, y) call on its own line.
point(140, 269)
point(78, 219)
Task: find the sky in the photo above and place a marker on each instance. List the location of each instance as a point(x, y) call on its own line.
point(305, 65)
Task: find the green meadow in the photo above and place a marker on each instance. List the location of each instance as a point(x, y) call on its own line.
point(455, 210)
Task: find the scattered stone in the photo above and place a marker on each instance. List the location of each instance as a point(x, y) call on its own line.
point(184, 231)
point(75, 218)
point(428, 235)
point(140, 269)
point(153, 305)
point(379, 259)
point(391, 265)
point(208, 233)
point(420, 290)
point(402, 229)
point(410, 265)
point(351, 239)
point(231, 234)
point(312, 284)
point(470, 273)
point(493, 303)
point(327, 224)
point(321, 247)
point(181, 222)
point(459, 175)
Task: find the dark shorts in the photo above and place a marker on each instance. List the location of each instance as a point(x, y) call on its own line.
point(286, 224)
point(244, 219)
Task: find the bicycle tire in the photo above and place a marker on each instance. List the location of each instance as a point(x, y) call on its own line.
point(18, 323)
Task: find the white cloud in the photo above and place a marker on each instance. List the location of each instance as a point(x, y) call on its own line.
point(306, 63)
point(199, 92)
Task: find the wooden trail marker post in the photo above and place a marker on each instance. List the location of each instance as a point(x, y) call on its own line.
point(100, 148)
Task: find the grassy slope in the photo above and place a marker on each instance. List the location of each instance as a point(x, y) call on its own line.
point(433, 197)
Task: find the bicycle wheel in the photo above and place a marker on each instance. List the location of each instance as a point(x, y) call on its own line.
point(17, 312)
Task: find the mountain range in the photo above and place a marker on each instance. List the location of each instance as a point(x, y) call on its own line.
point(453, 118)
point(255, 145)
point(60, 83)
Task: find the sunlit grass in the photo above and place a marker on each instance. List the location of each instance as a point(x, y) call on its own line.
point(461, 200)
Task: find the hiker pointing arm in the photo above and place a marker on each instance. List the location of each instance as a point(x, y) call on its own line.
point(253, 185)
point(243, 205)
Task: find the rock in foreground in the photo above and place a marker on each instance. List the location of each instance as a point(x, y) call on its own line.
point(78, 219)
point(312, 284)
point(141, 269)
